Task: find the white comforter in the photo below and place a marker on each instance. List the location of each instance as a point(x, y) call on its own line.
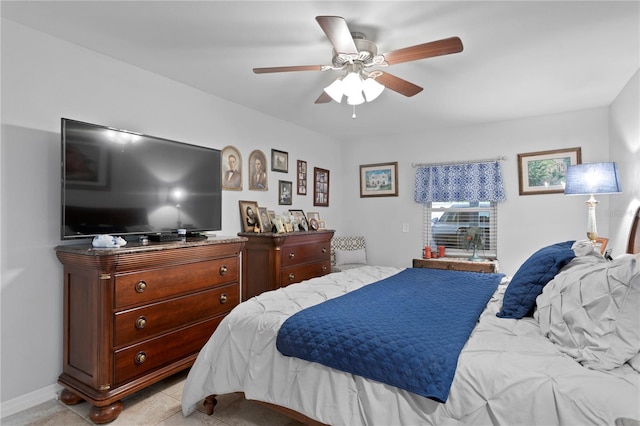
point(508, 373)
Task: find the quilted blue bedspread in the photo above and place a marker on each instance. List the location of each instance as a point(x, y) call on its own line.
point(406, 330)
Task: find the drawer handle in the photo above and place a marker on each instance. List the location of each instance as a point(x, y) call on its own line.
point(292, 277)
point(324, 250)
point(223, 298)
point(141, 286)
point(141, 357)
point(141, 322)
point(223, 270)
point(324, 268)
point(292, 255)
point(451, 266)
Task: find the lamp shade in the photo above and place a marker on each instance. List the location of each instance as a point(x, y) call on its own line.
point(592, 178)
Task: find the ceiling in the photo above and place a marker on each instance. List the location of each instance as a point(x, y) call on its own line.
point(520, 58)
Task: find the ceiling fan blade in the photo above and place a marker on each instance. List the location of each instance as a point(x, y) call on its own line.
point(323, 98)
point(338, 33)
point(426, 50)
point(288, 69)
point(397, 84)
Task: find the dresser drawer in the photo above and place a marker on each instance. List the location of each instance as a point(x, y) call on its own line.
point(304, 272)
point(156, 284)
point(141, 323)
point(140, 359)
point(298, 254)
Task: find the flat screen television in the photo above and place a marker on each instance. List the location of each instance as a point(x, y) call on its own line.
point(119, 182)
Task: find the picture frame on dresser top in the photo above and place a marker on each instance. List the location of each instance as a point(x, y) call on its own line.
point(379, 180)
point(250, 216)
point(544, 172)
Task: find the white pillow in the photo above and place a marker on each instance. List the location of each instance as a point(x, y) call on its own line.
point(348, 257)
point(590, 312)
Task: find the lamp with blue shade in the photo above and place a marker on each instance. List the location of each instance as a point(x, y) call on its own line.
point(589, 179)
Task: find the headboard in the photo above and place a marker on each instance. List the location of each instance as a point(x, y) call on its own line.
point(634, 235)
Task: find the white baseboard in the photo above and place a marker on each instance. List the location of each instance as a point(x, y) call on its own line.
point(29, 400)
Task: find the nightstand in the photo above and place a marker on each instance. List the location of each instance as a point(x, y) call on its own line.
point(457, 264)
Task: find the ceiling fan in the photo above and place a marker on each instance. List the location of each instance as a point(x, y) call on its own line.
point(355, 54)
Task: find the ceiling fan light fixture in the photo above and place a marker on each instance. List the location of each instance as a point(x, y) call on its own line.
point(335, 90)
point(352, 84)
point(355, 99)
point(372, 89)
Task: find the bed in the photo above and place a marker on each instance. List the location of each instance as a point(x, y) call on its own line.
point(557, 343)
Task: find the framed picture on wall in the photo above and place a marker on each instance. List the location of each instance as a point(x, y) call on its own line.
point(544, 172)
point(258, 171)
point(279, 161)
point(231, 169)
point(302, 177)
point(379, 180)
point(320, 187)
point(285, 192)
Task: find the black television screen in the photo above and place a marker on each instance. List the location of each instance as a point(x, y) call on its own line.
point(124, 183)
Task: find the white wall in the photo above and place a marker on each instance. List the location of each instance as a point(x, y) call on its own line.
point(526, 223)
point(625, 151)
point(44, 79)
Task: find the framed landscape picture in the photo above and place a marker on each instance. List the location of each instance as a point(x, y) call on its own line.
point(379, 180)
point(544, 172)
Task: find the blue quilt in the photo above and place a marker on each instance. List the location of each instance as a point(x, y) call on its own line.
point(406, 330)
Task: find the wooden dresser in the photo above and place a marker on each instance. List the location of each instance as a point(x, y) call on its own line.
point(271, 261)
point(457, 264)
point(138, 314)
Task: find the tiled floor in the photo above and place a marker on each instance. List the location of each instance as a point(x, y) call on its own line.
point(159, 404)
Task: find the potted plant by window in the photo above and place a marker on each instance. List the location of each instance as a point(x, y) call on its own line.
point(474, 242)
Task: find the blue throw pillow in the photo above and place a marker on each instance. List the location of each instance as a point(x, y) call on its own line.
point(527, 283)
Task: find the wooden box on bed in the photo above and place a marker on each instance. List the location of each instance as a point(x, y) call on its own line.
point(138, 314)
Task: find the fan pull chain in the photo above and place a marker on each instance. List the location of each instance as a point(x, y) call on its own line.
point(354, 112)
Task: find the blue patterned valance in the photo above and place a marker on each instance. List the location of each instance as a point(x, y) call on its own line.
point(459, 182)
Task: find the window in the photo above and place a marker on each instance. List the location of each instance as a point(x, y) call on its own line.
point(448, 223)
point(460, 203)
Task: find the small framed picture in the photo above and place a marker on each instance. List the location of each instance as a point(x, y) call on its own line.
point(300, 220)
point(277, 221)
point(279, 161)
point(302, 177)
point(379, 180)
point(285, 189)
point(250, 216)
point(322, 225)
point(544, 172)
point(265, 220)
point(320, 187)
